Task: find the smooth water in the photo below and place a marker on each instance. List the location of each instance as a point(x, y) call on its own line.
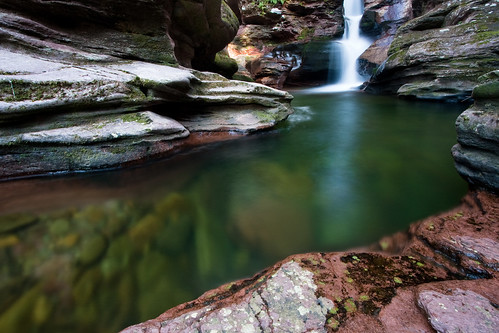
point(98, 252)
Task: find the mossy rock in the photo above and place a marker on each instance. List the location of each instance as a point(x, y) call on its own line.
point(489, 87)
point(242, 77)
point(486, 91)
point(225, 65)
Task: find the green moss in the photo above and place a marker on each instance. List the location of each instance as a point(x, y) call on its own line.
point(241, 77)
point(485, 37)
point(136, 118)
point(333, 323)
point(264, 116)
point(396, 279)
point(350, 305)
point(225, 65)
point(119, 150)
point(333, 310)
point(306, 33)
point(487, 91)
point(19, 90)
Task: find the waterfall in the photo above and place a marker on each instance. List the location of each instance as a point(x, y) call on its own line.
point(345, 52)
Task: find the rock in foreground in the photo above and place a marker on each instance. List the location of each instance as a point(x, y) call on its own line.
point(441, 275)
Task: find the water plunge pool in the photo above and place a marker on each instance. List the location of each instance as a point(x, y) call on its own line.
point(101, 251)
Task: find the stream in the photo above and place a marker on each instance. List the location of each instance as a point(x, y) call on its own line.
point(96, 252)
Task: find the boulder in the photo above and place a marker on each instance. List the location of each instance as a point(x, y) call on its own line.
point(441, 54)
point(441, 274)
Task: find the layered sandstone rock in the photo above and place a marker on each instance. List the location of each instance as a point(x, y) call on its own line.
point(88, 86)
point(273, 40)
point(476, 154)
point(441, 54)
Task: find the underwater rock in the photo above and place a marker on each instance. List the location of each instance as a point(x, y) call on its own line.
point(364, 290)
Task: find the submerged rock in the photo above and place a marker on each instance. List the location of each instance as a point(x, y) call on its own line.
point(452, 256)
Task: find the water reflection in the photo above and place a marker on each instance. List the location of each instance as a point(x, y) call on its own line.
point(98, 252)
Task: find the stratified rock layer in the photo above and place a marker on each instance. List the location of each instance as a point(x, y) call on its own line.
point(441, 54)
point(442, 274)
point(476, 154)
point(86, 86)
point(272, 42)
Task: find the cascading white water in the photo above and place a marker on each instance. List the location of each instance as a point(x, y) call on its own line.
point(352, 44)
point(350, 47)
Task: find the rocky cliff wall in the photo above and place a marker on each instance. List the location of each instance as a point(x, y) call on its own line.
point(274, 40)
point(84, 85)
point(476, 154)
point(163, 31)
point(442, 53)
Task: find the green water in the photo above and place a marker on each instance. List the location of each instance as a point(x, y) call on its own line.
point(98, 252)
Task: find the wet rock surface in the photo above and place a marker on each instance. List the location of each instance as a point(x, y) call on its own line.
point(461, 311)
point(444, 267)
point(272, 40)
point(381, 20)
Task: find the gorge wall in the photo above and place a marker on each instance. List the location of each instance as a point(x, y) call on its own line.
point(158, 31)
point(421, 49)
point(441, 275)
point(442, 53)
point(86, 85)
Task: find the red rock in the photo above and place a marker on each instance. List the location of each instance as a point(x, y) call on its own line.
point(368, 291)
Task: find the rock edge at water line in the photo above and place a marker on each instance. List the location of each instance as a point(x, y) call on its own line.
point(455, 253)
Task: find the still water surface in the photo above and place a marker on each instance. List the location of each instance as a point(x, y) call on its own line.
point(98, 252)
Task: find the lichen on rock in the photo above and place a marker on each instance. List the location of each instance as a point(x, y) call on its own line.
point(279, 302)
